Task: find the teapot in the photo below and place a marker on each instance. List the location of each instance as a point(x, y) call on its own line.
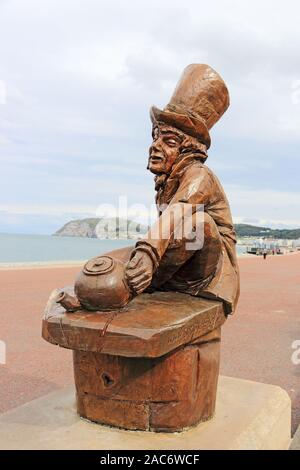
point(100, 285)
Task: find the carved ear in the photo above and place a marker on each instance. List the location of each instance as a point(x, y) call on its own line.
point(192, 145)
point(154, 126)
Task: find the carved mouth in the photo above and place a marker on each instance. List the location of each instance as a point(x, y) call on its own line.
point(156, 159)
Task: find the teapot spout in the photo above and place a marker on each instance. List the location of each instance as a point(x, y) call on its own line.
point(70, 303)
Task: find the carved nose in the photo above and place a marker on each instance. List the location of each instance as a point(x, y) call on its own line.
point(155, 147)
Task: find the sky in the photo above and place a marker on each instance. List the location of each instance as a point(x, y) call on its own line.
point(77, 79)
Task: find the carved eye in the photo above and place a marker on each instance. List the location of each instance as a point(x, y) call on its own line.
point(171, 142)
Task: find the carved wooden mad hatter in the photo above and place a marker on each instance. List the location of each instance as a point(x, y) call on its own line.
point(200, 264)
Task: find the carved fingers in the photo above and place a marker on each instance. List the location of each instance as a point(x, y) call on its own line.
point(139, 272)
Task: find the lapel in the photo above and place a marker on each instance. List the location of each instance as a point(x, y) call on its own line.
point(167, 185)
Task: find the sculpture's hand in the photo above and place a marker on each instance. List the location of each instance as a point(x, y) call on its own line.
point(139, 272)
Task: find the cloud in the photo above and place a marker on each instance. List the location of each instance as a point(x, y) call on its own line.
point(3, 93)
point(37, 223)
point(282, 208)
point(79, 81)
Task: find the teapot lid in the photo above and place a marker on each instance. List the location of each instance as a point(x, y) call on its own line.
point(99, 265)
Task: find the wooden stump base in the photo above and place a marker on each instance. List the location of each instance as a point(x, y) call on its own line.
point(155, 367)
point(169, 393)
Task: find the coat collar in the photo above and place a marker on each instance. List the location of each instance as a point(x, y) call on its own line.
point(179, 167)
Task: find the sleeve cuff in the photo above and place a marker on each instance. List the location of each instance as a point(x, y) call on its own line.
point(144, 246)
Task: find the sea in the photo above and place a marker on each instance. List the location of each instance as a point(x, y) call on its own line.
point(46, 249)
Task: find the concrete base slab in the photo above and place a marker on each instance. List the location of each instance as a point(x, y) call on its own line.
point(249, 415)
point(295, 445)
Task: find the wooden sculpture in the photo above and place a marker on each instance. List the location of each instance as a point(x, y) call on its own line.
point(148, 357)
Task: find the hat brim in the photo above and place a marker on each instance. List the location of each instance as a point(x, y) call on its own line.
point(189, 125)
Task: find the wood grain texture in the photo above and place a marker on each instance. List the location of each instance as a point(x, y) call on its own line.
point(169, 393)
point(150, 326)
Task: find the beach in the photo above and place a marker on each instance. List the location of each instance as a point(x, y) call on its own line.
point(256, 345)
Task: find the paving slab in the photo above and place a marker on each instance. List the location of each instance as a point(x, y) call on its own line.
point(295, 445)
point(249, 415)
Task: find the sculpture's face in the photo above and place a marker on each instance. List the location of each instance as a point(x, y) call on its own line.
point(164, 150)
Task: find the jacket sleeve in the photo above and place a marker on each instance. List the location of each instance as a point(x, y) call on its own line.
point(194, 191)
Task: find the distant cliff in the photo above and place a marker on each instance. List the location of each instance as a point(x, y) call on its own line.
point(103, 228)
point(117, 228)
point(245, 230)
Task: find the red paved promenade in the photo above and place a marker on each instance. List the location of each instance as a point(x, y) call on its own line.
point(257, 340)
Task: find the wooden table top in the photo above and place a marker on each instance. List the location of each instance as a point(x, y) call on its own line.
point(151, 325)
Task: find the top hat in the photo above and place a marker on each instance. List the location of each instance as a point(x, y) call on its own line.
point(199, 100)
